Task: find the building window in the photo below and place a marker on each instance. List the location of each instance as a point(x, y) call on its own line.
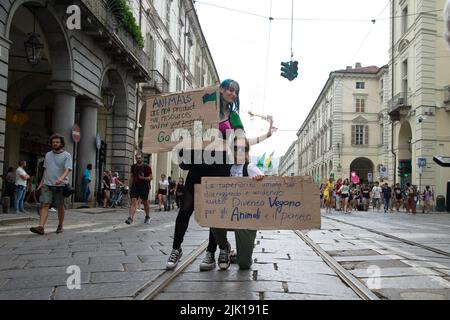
point(178, 84)
point(405, 19)
point(167, 73)
point(360, 85)
point(168, 5)
point(381, 134)
point(151, 50)
point(360, 135)
point(360, 104)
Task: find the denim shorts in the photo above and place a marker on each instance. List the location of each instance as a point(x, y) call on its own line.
point(52, 195)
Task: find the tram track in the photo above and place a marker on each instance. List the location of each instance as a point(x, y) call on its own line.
point(155, 287)
point(360, 289)
point(167, 277)
point(412, 243)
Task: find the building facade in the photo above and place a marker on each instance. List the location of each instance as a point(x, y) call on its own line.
point(420, 108)
point(347, 128)
point(179, 60)
point(288, 165)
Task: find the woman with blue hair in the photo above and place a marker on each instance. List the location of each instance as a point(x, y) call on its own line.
point(229, 122)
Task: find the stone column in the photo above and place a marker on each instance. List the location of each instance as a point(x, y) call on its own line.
point(87, 150)
point(4, 60)
point(64, 116)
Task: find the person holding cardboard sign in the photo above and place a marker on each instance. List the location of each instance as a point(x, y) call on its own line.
point(229, 122)
point(245, 239)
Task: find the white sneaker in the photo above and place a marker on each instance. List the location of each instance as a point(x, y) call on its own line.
point(52, 210)
point(174, 258)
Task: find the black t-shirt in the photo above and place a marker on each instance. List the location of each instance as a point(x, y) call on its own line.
point(398, 193)
point(107, 184)
point(180, 189)
point(172, 186)
point(141, 171)
point(366, 193)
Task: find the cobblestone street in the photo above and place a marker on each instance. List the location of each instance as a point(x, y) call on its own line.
point(118, 261)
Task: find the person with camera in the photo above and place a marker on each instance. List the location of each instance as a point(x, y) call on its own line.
point(54, 185)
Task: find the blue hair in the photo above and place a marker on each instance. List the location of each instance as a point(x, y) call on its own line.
point(226, 84)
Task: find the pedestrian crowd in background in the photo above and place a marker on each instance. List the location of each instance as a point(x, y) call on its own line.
point(347, 196)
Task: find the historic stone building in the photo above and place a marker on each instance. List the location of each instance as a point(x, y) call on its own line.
point(420, 108)
point(56, 72)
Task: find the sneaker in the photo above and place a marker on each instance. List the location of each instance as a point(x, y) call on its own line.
point(39, 230)
point(52, 210)
point(147, 220)
point(233, 257)
point(224, 258)
point(129, 220)
point(174, 258)
point(60, 229)
point(209, 262)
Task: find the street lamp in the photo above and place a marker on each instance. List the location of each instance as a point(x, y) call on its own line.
point(108, 98)
point(33, 47)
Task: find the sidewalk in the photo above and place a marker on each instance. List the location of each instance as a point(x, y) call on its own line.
point(31, 215)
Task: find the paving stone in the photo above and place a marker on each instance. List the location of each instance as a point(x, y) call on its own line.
point(119, 259)
point(421, 296)
point(427, 264)
point(15, 264)
point(368, 258)
point(32, 251)
point(350, 253)
point(99, 277)
point(60, 262)
point(256, 286)
point(99, 253)
point(156, 265)
point(27, 294)
point(378, 263)
point(232, 274)
point(413, 282)
point(44, 256)
point(299, 276)
point(199, 296)
point(102, 267)
point(299, 296)
point(99, 291)
point(399, 294)
point(158, 256)
point(42, 282)
point(31, 272)
point(394, 272)
point(320, 289)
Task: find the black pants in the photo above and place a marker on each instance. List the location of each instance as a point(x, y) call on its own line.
point(194, 176)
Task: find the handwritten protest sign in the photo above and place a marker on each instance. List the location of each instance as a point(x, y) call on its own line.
point(276, 203)
point(167, 114)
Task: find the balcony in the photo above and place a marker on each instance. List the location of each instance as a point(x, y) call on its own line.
point(157, 84)
point(399, 106)
point(101, 23)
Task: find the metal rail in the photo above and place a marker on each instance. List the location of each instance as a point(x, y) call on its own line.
point(155, 287)
point(416, 244)
point(361, 290)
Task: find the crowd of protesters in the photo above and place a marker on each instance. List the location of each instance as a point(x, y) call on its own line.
point(346, 196)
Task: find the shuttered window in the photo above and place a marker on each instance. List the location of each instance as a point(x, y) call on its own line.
point(360, 105)
point(360, 135)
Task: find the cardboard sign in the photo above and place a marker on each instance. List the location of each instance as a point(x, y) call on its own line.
point(276, 203)
point(166, 114)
